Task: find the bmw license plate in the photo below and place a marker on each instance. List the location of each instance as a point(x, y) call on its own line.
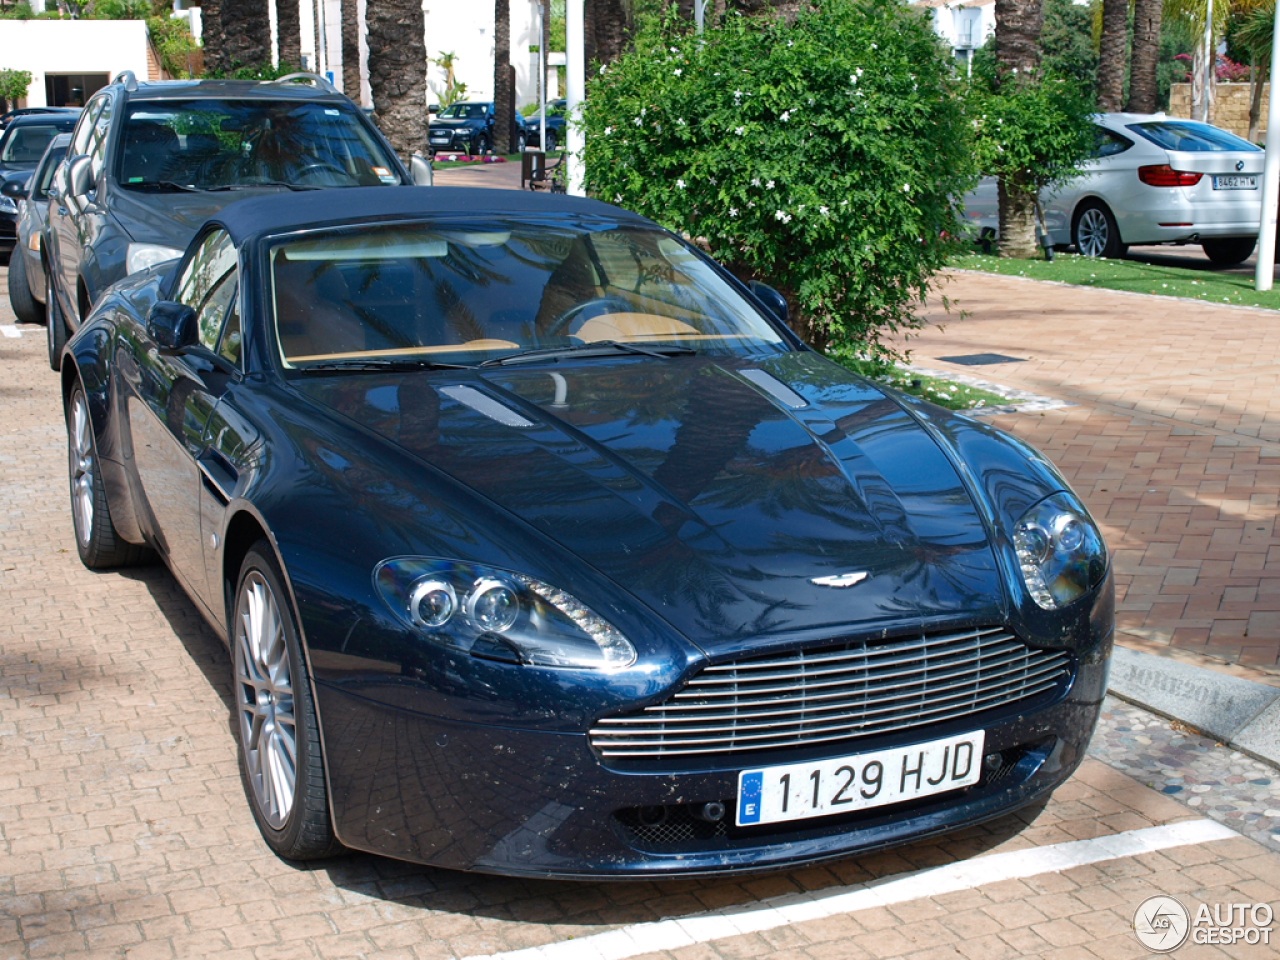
point(801, 790)
point(1235, 183)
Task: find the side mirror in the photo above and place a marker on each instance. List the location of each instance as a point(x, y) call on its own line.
point(14, 189)
point(423, 172)
point(771, 298)
point(78, 177)
point(172, 326)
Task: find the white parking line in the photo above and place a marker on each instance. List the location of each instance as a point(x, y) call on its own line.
point(658, 935)
point(9, 330)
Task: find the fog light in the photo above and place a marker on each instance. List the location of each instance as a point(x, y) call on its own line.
point(652, 816)
point(991, 762)
point(712, 812)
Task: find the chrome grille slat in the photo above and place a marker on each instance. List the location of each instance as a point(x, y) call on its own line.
point(667, 715)
point(837, 692)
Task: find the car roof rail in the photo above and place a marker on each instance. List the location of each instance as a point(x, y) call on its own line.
point(312, 78)
point(127, 78)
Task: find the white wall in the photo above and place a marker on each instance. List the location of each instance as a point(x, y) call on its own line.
point(467, 29)
point(72, 46)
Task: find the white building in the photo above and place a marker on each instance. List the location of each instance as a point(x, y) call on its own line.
point(964, 24)
point(70, 60)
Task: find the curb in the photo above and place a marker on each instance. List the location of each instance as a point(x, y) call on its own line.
point(1240, 713)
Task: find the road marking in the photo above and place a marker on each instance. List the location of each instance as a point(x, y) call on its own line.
point(9, 330)
point(640, 938)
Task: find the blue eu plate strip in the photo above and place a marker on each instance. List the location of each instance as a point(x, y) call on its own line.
point(750, 786)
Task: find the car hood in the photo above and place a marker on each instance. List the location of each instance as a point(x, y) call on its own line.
point(173, 218)
point(708, 488)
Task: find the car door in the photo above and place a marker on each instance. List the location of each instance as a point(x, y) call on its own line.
point(85, 216)
point(170, 400)
point(1106, 174)
point(64, 252)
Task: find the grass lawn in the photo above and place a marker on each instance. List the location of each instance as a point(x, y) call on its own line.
point(945, 393)
point(1132, 276)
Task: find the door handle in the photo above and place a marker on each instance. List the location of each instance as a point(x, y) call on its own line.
point(218, 474)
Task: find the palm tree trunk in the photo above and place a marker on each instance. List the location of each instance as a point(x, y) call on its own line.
point(215, 62)
point(288, 33)
point(1258, 74)
point(246, 33)
point(1111, 54)
point(398, 72)
point(503, 96)
point(351, 49)
point(606, 28)
point(1146, 53)
point(1018, 24)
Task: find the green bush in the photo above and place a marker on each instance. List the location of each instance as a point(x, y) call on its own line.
point(822, 156)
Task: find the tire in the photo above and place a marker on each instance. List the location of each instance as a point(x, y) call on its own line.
point(273, 713)
point(521, 142)
point(25, 307)
point(55, 327)
point(479, 146)
point(551, 141)
point(1095, 232)
point(97, 542)
point(1229, 252)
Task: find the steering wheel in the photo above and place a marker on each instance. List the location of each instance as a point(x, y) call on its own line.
point(587, 310)
point(321, 166)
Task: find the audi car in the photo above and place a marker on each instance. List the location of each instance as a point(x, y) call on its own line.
point(543, 547)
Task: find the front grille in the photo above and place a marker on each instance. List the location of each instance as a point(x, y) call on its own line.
point(833, 693)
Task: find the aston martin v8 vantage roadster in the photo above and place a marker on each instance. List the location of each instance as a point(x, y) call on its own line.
point(543, 547)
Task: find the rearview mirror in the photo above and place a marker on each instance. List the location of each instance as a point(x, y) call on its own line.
point(423, 172)
point(771, 298)
point(78, 177)
point(172, 326)
point(14, 189)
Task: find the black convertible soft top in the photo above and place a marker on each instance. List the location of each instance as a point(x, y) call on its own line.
point(310, 209)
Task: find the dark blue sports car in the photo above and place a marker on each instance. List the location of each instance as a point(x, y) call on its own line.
point(543, 547)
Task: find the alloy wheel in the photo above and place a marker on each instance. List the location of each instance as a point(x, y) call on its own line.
point(1093, 232)
point(264, 700)
point(81, 440)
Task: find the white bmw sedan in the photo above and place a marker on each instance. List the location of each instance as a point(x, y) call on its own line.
point(1152, 179)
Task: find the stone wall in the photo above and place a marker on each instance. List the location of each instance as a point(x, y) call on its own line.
point(1230, 108)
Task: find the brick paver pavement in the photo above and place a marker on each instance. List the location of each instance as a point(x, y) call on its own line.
point(1174, 443)
point(124, 831)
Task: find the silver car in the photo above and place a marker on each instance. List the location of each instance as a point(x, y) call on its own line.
point(26, 266)
point(1153, 179)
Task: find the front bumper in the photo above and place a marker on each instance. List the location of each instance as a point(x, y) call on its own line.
point(522, 802)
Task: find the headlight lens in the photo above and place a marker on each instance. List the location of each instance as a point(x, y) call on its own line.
point(7, 204)
point(1060, 551)
point(144, 255)
point(500, 615)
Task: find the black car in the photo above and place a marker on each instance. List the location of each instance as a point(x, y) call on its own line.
point(22, 144)
point(150, 162)
point(8, 118)
point(543, 547)
point(468, 128)
point(26, 263)
point(555, 126)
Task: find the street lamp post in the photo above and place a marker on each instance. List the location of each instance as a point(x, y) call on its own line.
point(575, 67)
point(1264, 270)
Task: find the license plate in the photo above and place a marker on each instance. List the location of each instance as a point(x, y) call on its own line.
point(1235, 183)
point(826, 787)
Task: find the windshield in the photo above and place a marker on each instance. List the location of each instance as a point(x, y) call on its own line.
point(1191, 137)
point(207, 144)
point(465, 111)
point(26, 143)
point(464, 294)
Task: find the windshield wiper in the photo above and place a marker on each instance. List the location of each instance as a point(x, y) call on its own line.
point(597, 348)
point(262, 183)
point(164, 185)
point(382, 365)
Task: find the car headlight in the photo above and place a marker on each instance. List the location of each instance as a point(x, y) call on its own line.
point(144, 255)
point(1060, 551)
point(7, 204)
point(499, 615)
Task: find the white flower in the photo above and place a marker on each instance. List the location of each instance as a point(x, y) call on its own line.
point(638, 121)
point(755, 181)
point(680, 122)
point(769, 185)
point(790, 43)
point(786, 115)
point(751, 204)
point(740, 130)
point(874, 47)
point(617, 198)
point(603, 67)
point(783, 216)
point(823, 210)
point(800, 209)
point(678, 71)
point(608, 130)
point(643, 111)
point(906, 188)
point(674, 49)
point(733, 211)
point(680, 184)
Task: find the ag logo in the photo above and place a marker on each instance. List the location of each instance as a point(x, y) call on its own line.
point(1161, 923)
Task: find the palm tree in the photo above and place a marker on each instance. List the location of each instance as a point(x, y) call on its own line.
point(1018, 24)
point(351, 50)
point(1146, 52)
point(1112, 54)
point(1255, 35)
point(398, 72)
point(246, 33)
point(503, 96)
point(606, 27)
point(211, 39)
point(288, 32)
